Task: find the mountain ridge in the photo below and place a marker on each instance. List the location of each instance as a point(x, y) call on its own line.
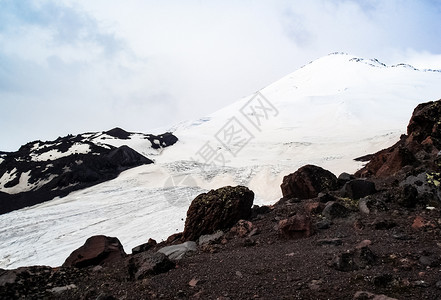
point(40, 171)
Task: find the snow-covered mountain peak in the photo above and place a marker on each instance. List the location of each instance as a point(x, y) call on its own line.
point(335, 109)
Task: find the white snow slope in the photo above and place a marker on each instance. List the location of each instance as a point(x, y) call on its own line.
point(327, 113)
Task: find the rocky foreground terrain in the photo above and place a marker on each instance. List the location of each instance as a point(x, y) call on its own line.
point(371, 235)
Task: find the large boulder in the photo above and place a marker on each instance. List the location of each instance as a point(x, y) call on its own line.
point(97, 250)
point(307, 182)
point(217, 210)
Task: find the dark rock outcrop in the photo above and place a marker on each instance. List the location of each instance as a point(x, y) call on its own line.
point(96, 250)
point(67, 164)
point(217, 210)
point(307, 182)
point(419, 147)
point(358, 188)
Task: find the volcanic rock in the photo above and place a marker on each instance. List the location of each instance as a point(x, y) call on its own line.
point(296, 227)
point(307, 182)
point(335, 210)
point(217, 210)
point(358, 188)
point(422, 143)
point(146, 264)
point(144, 247)
point(354, 259)
point(96, 250)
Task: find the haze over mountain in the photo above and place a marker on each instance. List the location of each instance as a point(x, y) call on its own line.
point(327, 113)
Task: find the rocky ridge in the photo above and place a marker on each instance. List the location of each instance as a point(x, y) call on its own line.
point(371, 235)
point(40, 171)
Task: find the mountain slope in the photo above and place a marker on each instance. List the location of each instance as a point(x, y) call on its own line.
point(40, 171)
point(327, 113)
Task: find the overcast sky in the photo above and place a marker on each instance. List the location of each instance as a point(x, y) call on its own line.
point(76, 66)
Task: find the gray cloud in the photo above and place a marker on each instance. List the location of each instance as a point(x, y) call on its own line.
point(92, 65)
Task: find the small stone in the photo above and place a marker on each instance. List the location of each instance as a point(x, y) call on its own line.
point(332, 242)
point(60, 289)
point(429, 261)
point(242, 228)
point(363, 207)
point(418, 222)
point(97, 268)
point(363, 243)
point(421, 283)
point(248, 242)
point(438, 284)
point(193, 282)
point(239, 274)
point(315, 284)
point(323, 224)
point(362, 295)
point(401, 236)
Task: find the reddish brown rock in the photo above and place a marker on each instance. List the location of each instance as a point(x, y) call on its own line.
point(425, 124)
point(296, 227)
point(242, 229)
point(307, 182)
point(389, 161)
point(96, 250)
point(217, 210)
point(423, 141)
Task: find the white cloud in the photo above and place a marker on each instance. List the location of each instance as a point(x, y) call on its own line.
point(67, 67)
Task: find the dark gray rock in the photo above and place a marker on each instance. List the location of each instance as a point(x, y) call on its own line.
point(144, 247)
point(147, 264)
point(217, 210)
point(331, 242)
point(335, 210)
point(210, 238)
point(354, 260)
point(358, 188)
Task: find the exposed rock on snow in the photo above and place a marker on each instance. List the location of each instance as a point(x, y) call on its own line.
point(307, 182)
point(96, 250)
point(216, 210)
